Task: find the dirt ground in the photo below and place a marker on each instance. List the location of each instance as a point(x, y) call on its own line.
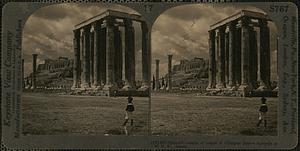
point(200, 115)
point(53, 114)
point(171, 114)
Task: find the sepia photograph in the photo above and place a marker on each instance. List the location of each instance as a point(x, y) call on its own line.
point(214, 70)
point(86, 71)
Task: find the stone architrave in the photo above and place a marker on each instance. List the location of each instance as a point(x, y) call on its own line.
point(264, 57)
point(76, 66)
point(129, 56)
point(110, 55)
point(245, 49)
point(212, 61)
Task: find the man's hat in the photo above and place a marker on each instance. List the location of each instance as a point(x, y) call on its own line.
point(263, 99)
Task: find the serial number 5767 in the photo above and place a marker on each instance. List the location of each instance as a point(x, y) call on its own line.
point(278, 8)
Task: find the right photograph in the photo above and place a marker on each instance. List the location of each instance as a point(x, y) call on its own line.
point(214, 72)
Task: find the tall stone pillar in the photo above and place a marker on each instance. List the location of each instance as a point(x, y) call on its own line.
point(157, 75)
point(33, 80)
point(212, 61)
point(245, 49)
point(76, 66)
point(129, 55)
point(231, 57)
point(85, 75)
point(118, 57)
point(102, 55)
point(146, 56)
point(91, 49)
point(226, 57)
point(110, 55)
point(221, 58)
point(169, 72)
point(237, 57)
point(97, 68)
point(264, 57)
point(253, 58)
point(23, 80)
point(277, 76)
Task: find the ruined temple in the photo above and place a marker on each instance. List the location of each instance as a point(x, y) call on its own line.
point(99, 59)
point(239, 53)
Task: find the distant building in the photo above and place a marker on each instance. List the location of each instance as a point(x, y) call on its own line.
point(195, 65)
point(52, 65)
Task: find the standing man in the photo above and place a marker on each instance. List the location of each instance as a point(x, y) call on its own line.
point(262, 112)
point(129, 109)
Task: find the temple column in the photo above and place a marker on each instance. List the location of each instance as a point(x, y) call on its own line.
point(231, 57)
point(245, 49)
point(102, 55)
point(129, 55)
point(91, 49)
point(118, 57)
point(85, 75)
point(226, 57)
point(212, 61)
point(264, 57)
point(221, 58)
point(169, 72)
point(22, 76)
point(237, 57)
point(110, 55)
point(33, 80)
point(97, 80)
point(253, 57)
point(157, 75)
point(76, 66)
point(146, 56)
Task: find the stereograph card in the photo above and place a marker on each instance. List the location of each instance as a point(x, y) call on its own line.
point(149, 75)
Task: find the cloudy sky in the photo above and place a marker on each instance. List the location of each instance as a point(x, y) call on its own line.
point(181, 31)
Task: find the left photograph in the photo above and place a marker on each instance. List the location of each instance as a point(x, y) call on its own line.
point(86, 70)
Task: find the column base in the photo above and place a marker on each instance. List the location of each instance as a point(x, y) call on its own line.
point(245, 87)
point(263, 88)
point(109, 87)
point(128, 87)
point(220, 86)
point(84, 86)
point(144, 88)
point(232, 87)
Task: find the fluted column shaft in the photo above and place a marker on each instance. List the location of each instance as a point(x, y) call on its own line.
point(110, 54)
point(253, 57)
point(264, 57)
point(157, 74)
point(85, 75)
point(129, 55)
point(97, 69)
point(76, 66)
point(118, 56)
point(231, 53)
point(170, 72)
point(212, 61)
point(221, 58)
point(91, 57)
point(33, 83)
point(146, 55)
point(245, 49)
